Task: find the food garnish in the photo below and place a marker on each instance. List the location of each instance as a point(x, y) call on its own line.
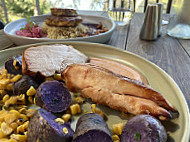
point(137, 136)
point(31, 29)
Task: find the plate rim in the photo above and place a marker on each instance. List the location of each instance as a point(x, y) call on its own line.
point(185, 137)
point(45, 39)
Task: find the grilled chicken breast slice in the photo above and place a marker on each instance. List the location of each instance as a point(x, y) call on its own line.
point(48, 59)
point(80, 76)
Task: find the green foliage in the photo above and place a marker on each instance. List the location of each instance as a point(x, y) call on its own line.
point(18, 9)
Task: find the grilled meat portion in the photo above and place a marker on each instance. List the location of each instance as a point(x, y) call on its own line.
point(63, 21)
point(63, 12)
point(107, 88)
point(119, 68)
point(48, 59)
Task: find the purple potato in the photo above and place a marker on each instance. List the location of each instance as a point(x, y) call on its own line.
point(91, 128)
point(43, 128)
point(143, 128)
point(53, 96)
point(10, 67)
point(21, 86)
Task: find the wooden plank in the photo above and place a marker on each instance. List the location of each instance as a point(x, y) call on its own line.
point(186, 44)
point(118, 38)
point(5, 42)
point(166, 52)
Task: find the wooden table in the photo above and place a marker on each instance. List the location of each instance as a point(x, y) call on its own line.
point(172, 55)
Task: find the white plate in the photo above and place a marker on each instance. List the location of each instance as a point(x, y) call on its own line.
point(14, 26)
point(178, 129)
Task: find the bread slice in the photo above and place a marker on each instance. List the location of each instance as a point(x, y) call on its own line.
point(48, 59)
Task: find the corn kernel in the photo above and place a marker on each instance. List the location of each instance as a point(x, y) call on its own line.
point(11, 140)
point(57, 76)
point(15, 64)
point(6, 129)
point(3, 92)
point(20, 129)
point(2, 135)
point(66, 117)
point(11, 101)
point(4, 140)
point(16, 78)
point(65, 130)
point(117, 128)
point(14, 125)
point(3, 83)
point(75, 109)
point(30, 99)
point(31, 91)
point(96, 110)
point(9, 118)
point(24, 117)
point(22, 110)
point(59, 120)
point(21, 97)
point(15, 112)
point(19, 138)
point(115, 137)
point(35, 100)
point(25, 125)
point(9, 87)
point(21, 106)
point(79, 100)
point(5, 98)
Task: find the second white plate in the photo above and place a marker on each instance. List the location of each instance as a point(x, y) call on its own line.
point(14, 26)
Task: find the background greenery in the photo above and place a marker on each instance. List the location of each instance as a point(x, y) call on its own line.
point(11, 10)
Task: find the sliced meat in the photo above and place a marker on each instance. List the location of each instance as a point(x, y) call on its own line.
point(80, 77)
point(125, 103)
point(91, 127)
point(63, 21)
point(48, 59)
point(119, 68)
point(63, 12)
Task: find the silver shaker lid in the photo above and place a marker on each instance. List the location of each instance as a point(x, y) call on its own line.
point(149, 30)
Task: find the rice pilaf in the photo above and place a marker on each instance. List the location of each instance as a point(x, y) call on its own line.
point(63, 32)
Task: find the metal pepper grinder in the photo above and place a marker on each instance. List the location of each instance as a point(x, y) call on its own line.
point(149, 30)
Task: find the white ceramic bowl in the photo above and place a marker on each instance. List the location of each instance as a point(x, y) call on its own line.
point(14, 26)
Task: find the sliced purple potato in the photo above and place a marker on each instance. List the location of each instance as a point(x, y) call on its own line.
point(143, 128)
point(53, 96)
point(21, 86)
point(91, 128)
point(43, 128)
point(11, 68)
